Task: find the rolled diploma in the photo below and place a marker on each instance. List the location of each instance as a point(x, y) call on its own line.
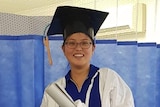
point(55, 92)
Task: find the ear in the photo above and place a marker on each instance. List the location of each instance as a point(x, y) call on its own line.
point(93, 48)
point(63, 48)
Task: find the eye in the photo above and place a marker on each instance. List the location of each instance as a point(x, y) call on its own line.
point(71, 43)
point(85, 43)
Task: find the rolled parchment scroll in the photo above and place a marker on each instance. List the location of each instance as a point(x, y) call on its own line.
point(60, 96)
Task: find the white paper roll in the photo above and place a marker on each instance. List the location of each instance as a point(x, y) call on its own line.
point(60, 96)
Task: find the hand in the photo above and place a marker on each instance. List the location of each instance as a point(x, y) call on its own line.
point(79, 103)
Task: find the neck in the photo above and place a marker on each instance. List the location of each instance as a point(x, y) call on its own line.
point(79, 75)
point(80, 71)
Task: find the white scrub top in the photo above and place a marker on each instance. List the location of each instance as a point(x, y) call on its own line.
point(114, 92)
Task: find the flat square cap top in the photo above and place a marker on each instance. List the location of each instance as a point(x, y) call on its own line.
point(76, 19)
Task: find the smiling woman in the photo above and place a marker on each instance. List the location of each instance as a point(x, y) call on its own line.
point(130, 59)
point(84, 83)
point(24, 68)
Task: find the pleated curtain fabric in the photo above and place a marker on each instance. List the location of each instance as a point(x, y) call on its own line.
point(25, 71)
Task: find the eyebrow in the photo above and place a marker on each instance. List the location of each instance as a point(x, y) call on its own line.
point(80, 39)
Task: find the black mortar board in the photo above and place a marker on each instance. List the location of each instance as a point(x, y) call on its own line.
point(68, 20)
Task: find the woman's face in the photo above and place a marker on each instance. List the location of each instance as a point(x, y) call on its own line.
point(78, 49)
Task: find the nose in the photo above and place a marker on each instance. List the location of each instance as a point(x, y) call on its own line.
point(78, 46)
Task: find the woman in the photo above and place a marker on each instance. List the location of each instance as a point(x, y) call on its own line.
point(85, 84)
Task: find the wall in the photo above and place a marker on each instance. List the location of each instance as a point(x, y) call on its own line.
point(152, 15)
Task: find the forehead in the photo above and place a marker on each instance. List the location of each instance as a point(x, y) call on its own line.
point(78, 36)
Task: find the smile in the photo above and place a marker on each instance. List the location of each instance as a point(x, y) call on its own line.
point(78, 55)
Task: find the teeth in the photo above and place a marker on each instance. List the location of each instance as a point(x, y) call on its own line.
point(78, 55)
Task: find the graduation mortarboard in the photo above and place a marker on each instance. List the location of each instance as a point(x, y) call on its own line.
point(68, 20)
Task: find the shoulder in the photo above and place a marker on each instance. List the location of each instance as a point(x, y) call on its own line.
point(107, 72)
point(60, 81)
point(112, 85)
point(107, 75)
point(110, 77)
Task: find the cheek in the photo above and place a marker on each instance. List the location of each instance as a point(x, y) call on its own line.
point(67, 52)
point(90, 52)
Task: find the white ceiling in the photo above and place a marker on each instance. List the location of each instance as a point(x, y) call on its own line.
point(14, 6)
point(47, 7)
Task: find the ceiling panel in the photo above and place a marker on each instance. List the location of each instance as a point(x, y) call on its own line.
point(18, 6)
point(13, 6)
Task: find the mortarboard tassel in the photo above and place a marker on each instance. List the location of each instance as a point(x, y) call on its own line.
point(46, 44)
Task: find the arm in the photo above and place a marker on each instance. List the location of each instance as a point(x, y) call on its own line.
point(55, 96)
point(121, 95)
point(47, 101)
point(114, 91)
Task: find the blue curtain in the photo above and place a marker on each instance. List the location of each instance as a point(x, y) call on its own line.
point(21, 71)
point(25, 71)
